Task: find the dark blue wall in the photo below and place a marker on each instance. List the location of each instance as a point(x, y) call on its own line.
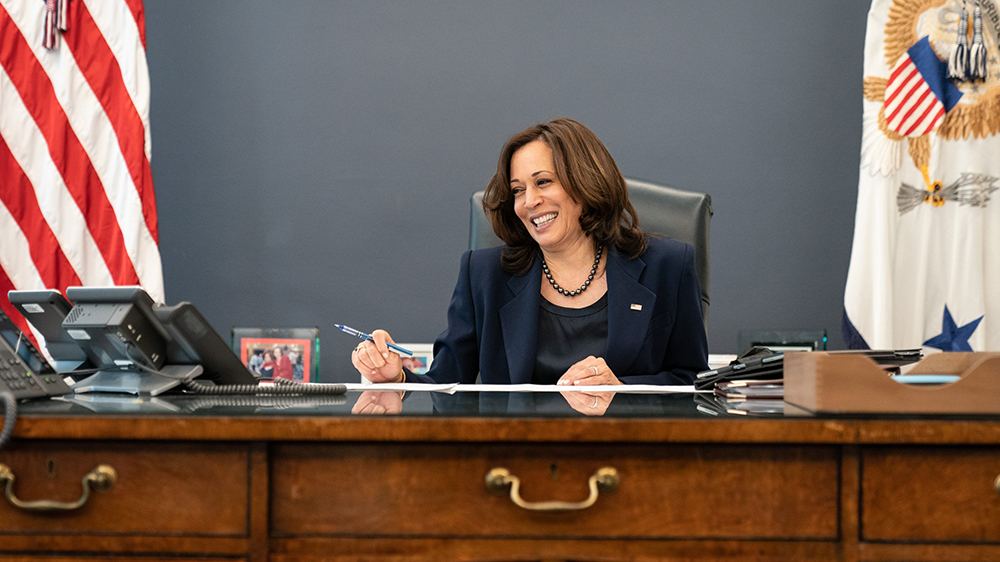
point(313, 160)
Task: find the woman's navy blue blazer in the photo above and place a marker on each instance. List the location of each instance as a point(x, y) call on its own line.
point(655, 329)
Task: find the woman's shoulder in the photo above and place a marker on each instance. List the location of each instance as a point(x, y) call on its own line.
point(662, 248)
point(487, 260)
point(483, 266)
point(485, 256)
point(481, 263)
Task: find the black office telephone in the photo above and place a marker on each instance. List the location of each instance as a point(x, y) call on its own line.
point(24, 371)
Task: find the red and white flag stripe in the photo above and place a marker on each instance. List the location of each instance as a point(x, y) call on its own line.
point(77, 205)
point(911, 108)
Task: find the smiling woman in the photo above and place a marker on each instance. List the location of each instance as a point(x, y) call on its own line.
point(539, 199)
point(578, 161)
point(577, 295)
point(552, 218)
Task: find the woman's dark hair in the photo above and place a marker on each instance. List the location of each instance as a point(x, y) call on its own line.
point(589, 175)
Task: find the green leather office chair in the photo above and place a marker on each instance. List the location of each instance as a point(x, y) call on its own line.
point(675, 213)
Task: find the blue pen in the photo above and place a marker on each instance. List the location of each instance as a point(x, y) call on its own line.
point(359, 334)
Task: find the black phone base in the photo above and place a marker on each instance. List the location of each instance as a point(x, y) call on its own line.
point(138, 382)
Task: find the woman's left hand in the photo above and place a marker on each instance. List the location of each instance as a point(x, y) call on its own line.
point(589, 372)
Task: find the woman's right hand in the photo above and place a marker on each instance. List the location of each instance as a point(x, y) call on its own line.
point(376, 362)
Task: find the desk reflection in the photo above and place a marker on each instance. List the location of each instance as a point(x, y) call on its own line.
point(587, 403)
point(378, 403)
point(375, 402)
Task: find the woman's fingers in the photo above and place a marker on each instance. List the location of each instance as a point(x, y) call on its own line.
point(363, 360)
point(375, 361)
point(381, 337)
point(361, 356)
point(358, 360)
point(573, 373)
point(372, 356)
point(582, 370)
point(588, 372)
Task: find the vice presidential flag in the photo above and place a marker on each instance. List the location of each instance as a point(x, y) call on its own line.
point(76, 194)
point(925, 262)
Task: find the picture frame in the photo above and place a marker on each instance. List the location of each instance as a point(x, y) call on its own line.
point(288, 353)
point(420, 361)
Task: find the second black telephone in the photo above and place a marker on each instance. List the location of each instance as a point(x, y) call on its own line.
point(24, 371)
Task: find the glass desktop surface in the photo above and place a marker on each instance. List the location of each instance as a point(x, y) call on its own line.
point(422, 404)
point(551, 405)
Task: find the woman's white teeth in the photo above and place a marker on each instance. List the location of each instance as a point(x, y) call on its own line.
point(544, 219)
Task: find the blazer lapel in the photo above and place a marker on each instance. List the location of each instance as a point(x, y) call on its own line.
point(519, 323)
point(630, 308)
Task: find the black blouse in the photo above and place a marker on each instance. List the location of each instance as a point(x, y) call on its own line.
point(567, 335)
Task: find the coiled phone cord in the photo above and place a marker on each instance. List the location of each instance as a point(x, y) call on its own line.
point(271, 402)
point(283, 388)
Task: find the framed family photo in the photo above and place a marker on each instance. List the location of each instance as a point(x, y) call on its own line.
point(279, 353)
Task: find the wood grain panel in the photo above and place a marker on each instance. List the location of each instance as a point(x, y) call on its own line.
point(493, 550)
point(124, 545)
point(666, 491)
point(512, 430)
point(47, 558)
point(162, 489)
point(930, 494)
point(926, 552)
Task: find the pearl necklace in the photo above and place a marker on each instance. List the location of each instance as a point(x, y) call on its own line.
point(560, 290)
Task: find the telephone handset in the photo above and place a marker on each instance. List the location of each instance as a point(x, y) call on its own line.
point(24, 371)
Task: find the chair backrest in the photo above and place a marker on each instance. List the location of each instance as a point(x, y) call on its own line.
point(675, 213)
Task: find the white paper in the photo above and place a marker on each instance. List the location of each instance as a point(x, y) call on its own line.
point(402, 387)
point(620, 388)
point(455, 387)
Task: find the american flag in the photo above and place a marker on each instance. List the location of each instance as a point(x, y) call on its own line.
point(76, 194)
point(916, 94)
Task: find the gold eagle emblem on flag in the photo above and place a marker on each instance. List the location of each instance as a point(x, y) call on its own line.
point(920, 34)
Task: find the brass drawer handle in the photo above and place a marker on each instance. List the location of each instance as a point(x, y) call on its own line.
point(605, 480)
point(101, 479)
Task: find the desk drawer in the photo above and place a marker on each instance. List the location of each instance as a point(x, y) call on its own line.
point(928, 494)
point(665, 491)
point(161, 489)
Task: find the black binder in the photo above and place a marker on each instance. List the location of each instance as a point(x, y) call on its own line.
point(761, 363)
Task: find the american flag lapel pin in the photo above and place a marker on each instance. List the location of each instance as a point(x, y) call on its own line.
point(636, 306)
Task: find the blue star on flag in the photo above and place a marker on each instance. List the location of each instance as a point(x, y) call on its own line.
point(953, 337)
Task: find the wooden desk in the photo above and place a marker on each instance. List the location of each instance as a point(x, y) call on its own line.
point(319, 484)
